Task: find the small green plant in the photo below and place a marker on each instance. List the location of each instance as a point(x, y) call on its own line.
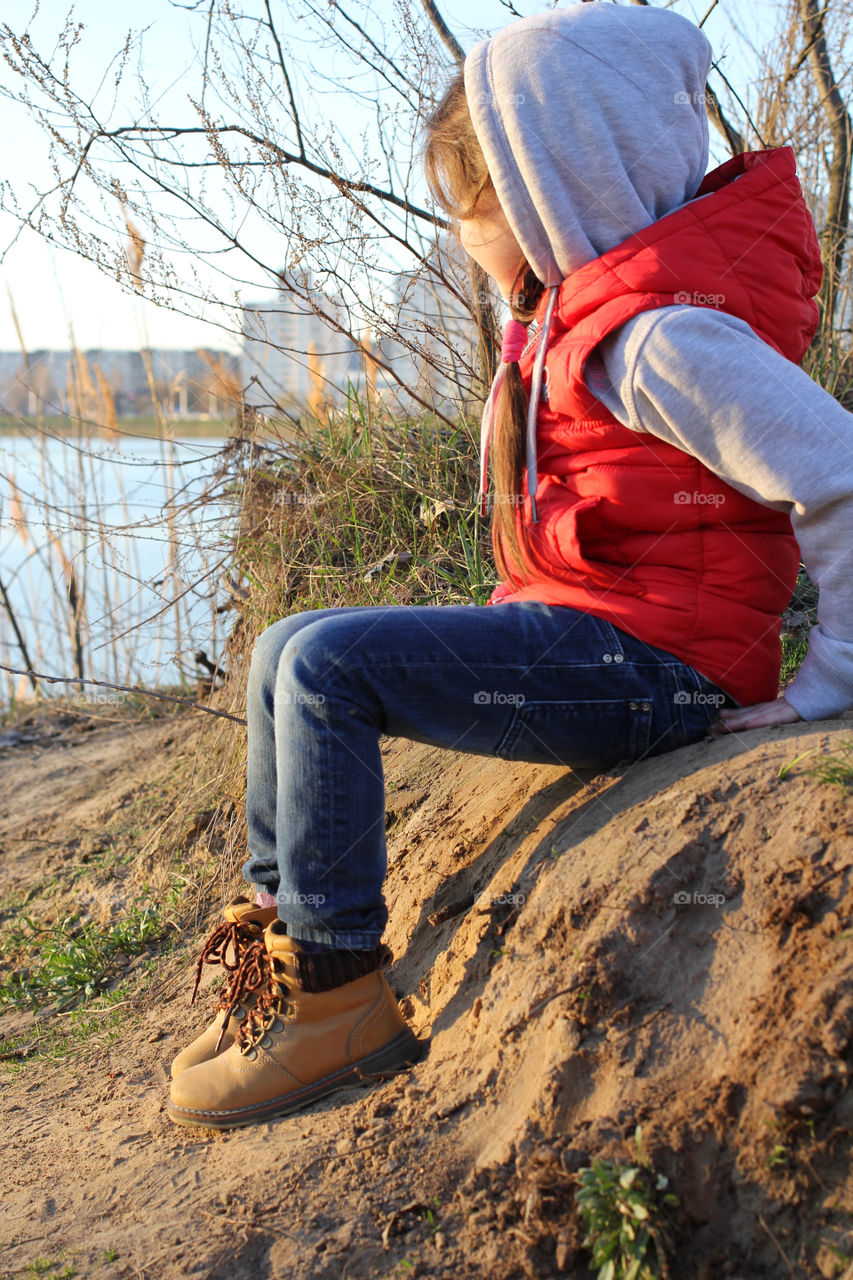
point(837, 769)
point(48, 1267)
point(778, 1157)
point(786, 768)
point(432, 1217)
point(623, 1210)
point(72, 962)
point(55, 1038)
point(109, 1255)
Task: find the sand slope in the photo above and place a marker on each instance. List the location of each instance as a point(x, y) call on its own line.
point(669, 945)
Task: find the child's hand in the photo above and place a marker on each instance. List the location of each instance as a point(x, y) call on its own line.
point(757, 717)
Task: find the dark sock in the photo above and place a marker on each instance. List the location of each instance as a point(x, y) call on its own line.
point(323, 968)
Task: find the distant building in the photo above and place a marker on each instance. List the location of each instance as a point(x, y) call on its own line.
point(293, 358)
point(431, 341)
point(425, 351)
point(182, 383)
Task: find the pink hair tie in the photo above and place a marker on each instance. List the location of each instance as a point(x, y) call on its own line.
point(514, 341)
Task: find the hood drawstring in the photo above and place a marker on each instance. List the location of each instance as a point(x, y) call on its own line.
point(515, 341)
point(533, 406)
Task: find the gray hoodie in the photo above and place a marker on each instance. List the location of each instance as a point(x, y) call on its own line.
point(592, 121)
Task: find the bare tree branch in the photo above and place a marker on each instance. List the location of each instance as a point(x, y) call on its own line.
point(734, 140)
point(271, 26)
point(368, 39)
point(447, 36)
point(711, 9)
point(168, 133)
point(834, 235)
point(125, 688)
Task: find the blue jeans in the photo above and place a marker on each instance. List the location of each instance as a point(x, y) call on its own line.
point(525, 681)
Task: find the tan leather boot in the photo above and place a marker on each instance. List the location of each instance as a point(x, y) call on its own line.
point(295, 1046)
point(244, 923)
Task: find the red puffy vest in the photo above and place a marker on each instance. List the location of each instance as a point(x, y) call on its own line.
point(630, 528)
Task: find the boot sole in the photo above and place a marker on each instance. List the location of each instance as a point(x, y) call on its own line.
point(402, 1051)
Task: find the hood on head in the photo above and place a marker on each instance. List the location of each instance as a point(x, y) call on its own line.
point(592, 122)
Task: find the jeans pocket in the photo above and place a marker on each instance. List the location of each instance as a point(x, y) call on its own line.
point(693, 703)
point(588, 734)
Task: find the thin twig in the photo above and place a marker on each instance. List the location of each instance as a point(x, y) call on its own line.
point(271, 25)
point(784, 1255)
point(125, 688)
point(714, 4)
point(17, 630)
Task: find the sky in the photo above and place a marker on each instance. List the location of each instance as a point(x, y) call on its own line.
point(56, 294)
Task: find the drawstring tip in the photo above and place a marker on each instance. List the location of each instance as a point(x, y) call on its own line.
point(534, 514)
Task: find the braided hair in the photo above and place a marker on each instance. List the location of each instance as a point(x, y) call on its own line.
point(458, 177)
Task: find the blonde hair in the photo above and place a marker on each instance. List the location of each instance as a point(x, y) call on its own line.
point(458, 178)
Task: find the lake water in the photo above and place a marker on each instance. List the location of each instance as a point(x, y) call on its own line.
point(150, 577)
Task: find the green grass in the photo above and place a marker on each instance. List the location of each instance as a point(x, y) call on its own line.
point(364, 509)
point(50, 1269)
point(63, 963)
point(836, 769)
point(794, 651)
point(623, 1207)
point(54, 1038)
point(803, 608)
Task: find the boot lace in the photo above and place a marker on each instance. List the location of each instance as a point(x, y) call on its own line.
point(215, 949)
point(256, 976)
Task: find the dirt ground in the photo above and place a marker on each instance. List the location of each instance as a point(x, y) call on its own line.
point(666, 945)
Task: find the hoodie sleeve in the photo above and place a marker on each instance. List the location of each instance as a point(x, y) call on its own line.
point(703, 381)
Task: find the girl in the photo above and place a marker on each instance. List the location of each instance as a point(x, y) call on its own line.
point(656, 458)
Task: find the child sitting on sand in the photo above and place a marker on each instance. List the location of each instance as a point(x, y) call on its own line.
point(658, 464)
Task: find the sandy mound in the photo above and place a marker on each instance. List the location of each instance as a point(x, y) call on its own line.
point(668, 945)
